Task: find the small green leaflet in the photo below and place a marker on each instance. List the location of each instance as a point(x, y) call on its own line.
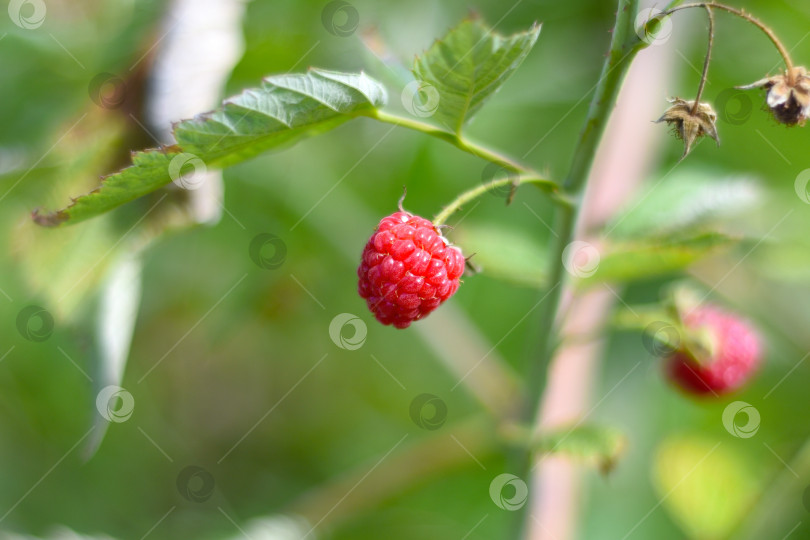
point(598, 444)
point(685, 200)
point(467, 66)
point(282, 110)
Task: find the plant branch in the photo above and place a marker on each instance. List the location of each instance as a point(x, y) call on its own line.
point(706, 62)
point(613, 71)
point(477, 191)
point(454, 139)
point(549, 186)
point(623, 47)
point(745, 16)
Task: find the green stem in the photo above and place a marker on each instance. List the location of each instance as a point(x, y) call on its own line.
point(641, 317)
point(454, 139)
point(477, 191)
point(623, 47)
point(706, 62)
point(549, 186)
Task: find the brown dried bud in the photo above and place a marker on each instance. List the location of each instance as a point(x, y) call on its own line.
point(788, 95)
point(690, 126)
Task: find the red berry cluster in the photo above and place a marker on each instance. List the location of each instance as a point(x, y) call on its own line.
point(408, 269)
point(735, 354)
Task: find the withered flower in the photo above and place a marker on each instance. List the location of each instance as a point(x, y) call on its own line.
point(788, 95)
point(690, 126)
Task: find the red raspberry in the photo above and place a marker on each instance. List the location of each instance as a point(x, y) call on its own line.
point(735, 353)
point(408, 269)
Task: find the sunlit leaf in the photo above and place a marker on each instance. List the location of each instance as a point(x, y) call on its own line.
point(705, 485)
point(683, 200)
point(284, 108)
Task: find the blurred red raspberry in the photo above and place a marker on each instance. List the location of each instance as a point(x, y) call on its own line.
point(734, 353)
point(408, 269)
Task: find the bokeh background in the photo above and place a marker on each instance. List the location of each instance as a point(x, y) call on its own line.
point(232, 368)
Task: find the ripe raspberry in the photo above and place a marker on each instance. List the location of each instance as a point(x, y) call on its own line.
point(735, 353)
point(407, 269)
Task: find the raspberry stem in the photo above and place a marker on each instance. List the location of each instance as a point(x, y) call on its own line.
point(745, 16)
point(460, 142)
point(452, 138)
point(704, 74)
point(477, 191)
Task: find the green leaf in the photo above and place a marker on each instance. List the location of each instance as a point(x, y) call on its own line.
point(283, 109)
point(504, 253)
point(705, 485)
point(684, 200)
point(149, 172)
point(651, 257)
point(598, 444)
point(468, 65)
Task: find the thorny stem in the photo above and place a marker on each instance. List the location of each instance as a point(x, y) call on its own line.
point(706, 62)
point(477, 191)
point(623, 47)
point(751, 19)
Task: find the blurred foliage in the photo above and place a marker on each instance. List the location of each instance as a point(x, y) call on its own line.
point(232, 368)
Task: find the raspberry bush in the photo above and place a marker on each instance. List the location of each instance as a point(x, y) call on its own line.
point(411, 265)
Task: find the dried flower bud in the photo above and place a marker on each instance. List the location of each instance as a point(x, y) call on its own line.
point(688, 125)
point(788, 95)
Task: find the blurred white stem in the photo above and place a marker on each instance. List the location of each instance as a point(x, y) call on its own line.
point(117, 313)
point(201, 43)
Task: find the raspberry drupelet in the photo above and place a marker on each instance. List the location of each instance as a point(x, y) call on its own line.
point(735, 354)
point(408, 269)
